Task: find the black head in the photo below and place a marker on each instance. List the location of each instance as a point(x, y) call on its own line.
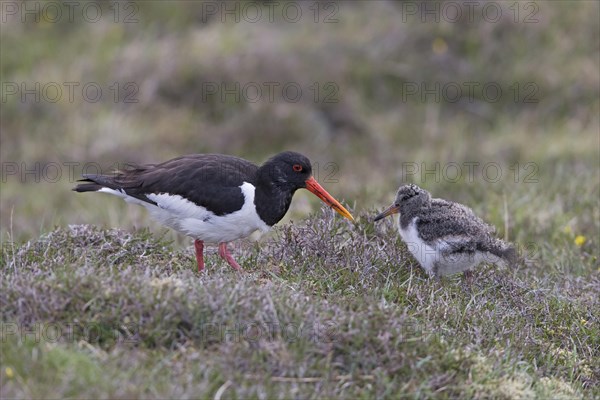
point(277, 180)
point(287, 170)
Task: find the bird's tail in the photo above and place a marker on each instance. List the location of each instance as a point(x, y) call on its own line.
point(509, 254)
point(93, 183)
point(506, 252)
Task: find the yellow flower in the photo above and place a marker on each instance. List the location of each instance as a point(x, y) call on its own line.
point(580, 240)
point(439, 46)
point(9, 372)
point(567, 229)
point(583, 321)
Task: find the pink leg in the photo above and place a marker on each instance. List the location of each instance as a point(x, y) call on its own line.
point(199, 245)
point(227, 257)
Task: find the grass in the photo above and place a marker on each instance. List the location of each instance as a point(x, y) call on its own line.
point(99, 301)
point(107, 313)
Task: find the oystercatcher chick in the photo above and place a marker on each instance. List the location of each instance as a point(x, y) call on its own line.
point(446, 237)
point(214, 198)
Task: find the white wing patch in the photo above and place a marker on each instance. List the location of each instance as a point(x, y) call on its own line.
point(196, 221)
point(121, 193)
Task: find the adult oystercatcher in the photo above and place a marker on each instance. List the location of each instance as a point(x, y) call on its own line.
point(446, 237)
point(214, 198)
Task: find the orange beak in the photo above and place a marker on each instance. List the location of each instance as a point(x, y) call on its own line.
point(313, 186)
point(393, 209)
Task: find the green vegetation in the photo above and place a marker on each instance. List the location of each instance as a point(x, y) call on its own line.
point(121, 314)
point(327, 308)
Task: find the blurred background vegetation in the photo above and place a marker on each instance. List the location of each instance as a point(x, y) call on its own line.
point(379, 98)
point(385, 100)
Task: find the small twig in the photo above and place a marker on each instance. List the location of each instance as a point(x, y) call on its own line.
point(222, 389)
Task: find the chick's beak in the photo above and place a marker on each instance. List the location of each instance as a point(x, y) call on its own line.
point(313, 186)
point(393, 209)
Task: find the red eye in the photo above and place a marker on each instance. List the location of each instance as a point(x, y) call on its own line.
point(297, 167)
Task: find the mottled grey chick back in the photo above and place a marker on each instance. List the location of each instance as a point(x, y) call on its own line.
point(438, 218)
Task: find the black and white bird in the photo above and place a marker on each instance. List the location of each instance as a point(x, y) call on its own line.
point(214, 198)
point(446, 237)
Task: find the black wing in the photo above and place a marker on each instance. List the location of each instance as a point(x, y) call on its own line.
point(209, 180)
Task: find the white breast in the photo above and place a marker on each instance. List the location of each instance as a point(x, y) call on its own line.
point(192, 220)
point(425, 254)
point(438, 257)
